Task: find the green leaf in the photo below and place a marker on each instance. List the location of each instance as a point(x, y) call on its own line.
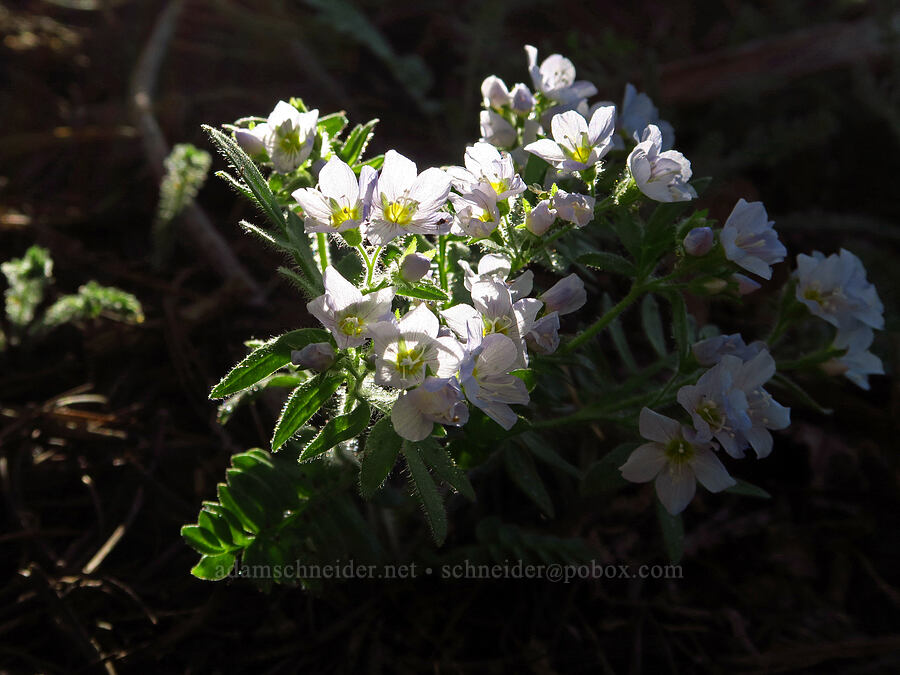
point(265, 360)
point(618, 337)
point(540, 449)
point(201, 540)
point(380, 455)
point(231, 505)
point(333, 124)
point(673, 533)
point(217, 526)
point(659, 234)
point(302, 404)
point(748, 490)
point(652, 323)
point(521, 469)
point(630, 232)
point(214, 567)
point(441, 462)
point(422, 292)
point(375, 162)
point(527, 376)
point(427, 492)
point(341, 428)
point(357, 140)
point(681, 328)
point(249, 173)
point(604, 476)
point(608, 262)
point(535, 168)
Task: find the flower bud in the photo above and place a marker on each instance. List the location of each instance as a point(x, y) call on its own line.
point(699, 241)
point(714, 286)
point(494, 91)
point(746, 285)
point(317, 356)
point(522, 100)
point(250, 142)
point(414, 267)
point(565, 296)
point(540, 218)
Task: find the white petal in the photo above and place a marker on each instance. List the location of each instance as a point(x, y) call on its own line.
point(546, 150)
point(644, 463)
point(341, 293)
point(675, 487)
point(408, 420)
point(397, 175)
point(659, 428)
point(430, 189)
point(337, 181)
point(420, 320)
point(314, 205)
point(458, 316)
point(498, 354)
point(711, 473)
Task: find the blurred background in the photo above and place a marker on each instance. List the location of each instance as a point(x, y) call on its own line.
point(108, 443)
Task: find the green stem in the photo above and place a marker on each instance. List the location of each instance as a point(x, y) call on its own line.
point(442, 261)
point(322, 241)
point(368, 263)
point(601, 323)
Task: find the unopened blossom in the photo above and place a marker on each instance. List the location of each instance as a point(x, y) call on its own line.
point(750, 240)
point(521, 100)
point(346, 312)
point(494, 93)
point(485, 379)
point(858, 363)
point(729, 403)
point(637, 112)
point(477, 214)
point(252, 141)
point(573, 207)
point(435, 400)
point(317, 356)
point(407, 202)
point(745, 285)
point(544, 334)
point(565, 296)
point(496, 130)
point(414, 267)
point(540, 218)
point(699, 241)
point(577, 145)
point(661, 175)
point(555, 78)
point(710, 351)
point(497, 266)
point(405, 350)
point(836, 289)
point(487, 166)
point(676, 458)
point(289, 136)
point(338, 204)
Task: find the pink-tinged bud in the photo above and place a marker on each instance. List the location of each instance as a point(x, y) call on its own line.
point(250, 142)
point(746, 285)
point(699, 241)
point(834, 367)
point(522, 99)
point(414, 267)
point(714, 286)
point(317, 356)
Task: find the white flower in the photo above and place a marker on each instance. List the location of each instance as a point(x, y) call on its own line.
point(346, 312)
point(477, 214)
point(406, 349)
point(494, 93)
point(638, 111)
point(573, 207)
point(676, 458)
point(340, 201)
point(290, 136)
point(544, 334)
point(435, 400)
point(710, 351)
point(487, 166)
point(836, 289)
point(540, 218)
point(497, 266)
point(555, 78)
point(485, 379)
point(750, 240)
point(661, 175)
point(407, 202)
point(565, 296)
point(858, 363)
point(577, 145)
point(496, 130)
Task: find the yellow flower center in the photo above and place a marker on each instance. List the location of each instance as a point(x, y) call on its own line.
point(709, 413)
point(341, 214)
point(351, 325)
point(679, 451)
point(398, 213)
point(409, 361)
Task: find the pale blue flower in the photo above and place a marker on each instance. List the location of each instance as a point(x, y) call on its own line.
point(555, 78)
point(318, 356)
point(577, 145)
point(346, 312)
point(338, 204)
point(496, 130)
point(699, 241)
point(836, 289)
point(435, 400)
point(676, 458)
point(573, 207)
point(486, 166)
point(414, 267)
point(710, 351)
point(407, 202)
point(544, 334)
point(497, 266)
point(540, 218)
point(750, 240)
point(661, 175)
point(485, 379)
point(477, 214)
point(638, 112)
point(858, 363)
point(565, 296)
